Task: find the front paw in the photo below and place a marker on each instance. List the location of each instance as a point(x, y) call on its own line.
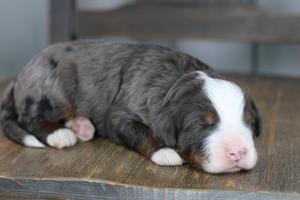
point(167, 156)
point(62, 138)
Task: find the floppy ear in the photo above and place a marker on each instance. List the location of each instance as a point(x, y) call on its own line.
point(257, 120)
point(163, 129)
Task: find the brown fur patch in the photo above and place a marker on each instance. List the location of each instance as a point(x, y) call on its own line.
point(249, 116)
point(47, 127)
point(70, 113)
point(209, 118)
point(195, 160)
point(147, 146)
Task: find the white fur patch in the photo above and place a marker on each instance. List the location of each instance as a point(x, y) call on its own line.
point(62, 138)
point(167, 156)
point(231, 133)
point(31, 141)
point(69, 123)
point(227, 98)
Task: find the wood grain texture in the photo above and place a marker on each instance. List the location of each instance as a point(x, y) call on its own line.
point(233, 20)
point(101, 169)
point(238, 22)
point(197, 1)
point(61, 20)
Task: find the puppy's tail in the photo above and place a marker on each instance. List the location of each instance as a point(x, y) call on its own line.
point(9, 118)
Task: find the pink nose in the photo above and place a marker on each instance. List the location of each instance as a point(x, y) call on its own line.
point(236, 154)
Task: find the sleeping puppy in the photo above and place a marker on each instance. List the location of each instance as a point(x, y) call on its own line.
point(166, 105)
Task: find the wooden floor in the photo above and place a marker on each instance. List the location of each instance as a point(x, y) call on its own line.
point(101, 169)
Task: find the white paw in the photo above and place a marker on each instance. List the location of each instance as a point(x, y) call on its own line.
point(62, 138)
point(82, 127)
point(167, 156)
point(31, 141)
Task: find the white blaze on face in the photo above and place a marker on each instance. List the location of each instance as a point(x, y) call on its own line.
point(230, 146)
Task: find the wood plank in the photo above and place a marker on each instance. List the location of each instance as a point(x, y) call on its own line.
point(61, 20)
point(101, 169)
point(196, 1)
point(93, 189)
point(237, 23)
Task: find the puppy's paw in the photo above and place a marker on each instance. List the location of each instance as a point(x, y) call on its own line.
point(167, 156)
point(82, 127)
point(62, 138)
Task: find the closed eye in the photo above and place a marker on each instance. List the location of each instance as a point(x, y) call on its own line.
point(208, 118)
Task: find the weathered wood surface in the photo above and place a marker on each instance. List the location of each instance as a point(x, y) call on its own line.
point(101, 169)
point(242, 23)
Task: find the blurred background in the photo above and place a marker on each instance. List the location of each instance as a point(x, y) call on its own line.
point(24, 26)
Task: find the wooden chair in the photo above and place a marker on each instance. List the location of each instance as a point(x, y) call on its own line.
point(230, 20)
point(100, 169)
point(234, 20)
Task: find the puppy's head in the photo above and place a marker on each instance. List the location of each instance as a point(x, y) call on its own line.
point(211, 123)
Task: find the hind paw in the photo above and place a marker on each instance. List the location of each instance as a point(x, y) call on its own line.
point(82, 127)
point(62, 138)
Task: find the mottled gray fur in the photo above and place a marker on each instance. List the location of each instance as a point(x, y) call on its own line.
point(125, 82)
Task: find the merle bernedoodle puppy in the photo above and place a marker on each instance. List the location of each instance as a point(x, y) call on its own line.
point(166, 105)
